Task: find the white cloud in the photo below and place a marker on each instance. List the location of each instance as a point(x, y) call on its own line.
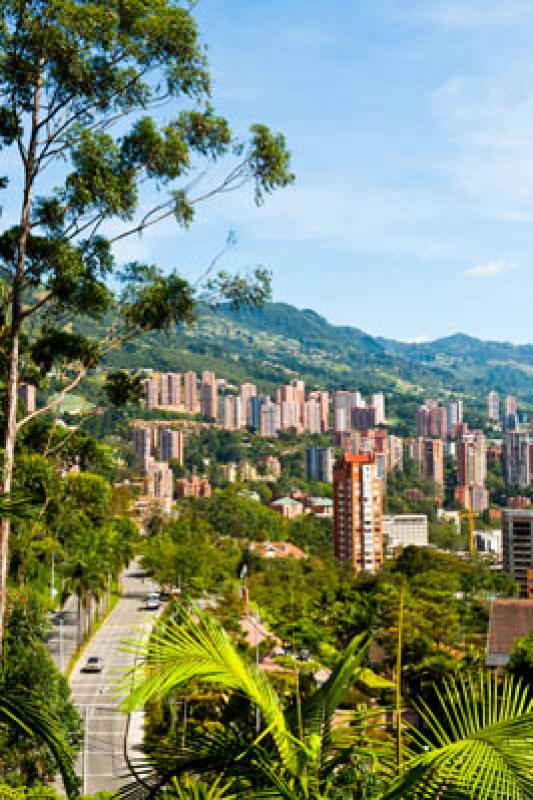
point(489, 123)
point(472, 13)
point(342, 216)
point(491, 269)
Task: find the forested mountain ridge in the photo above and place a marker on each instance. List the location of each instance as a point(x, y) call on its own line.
point(275, 343)
point(278, 341)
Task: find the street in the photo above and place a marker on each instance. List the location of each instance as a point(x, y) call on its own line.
point(101, 763)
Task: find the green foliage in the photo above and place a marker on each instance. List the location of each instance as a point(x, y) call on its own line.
point(37, 717)
point(521, 660)
point(87, 493)
point(122, 388)
point(184, 552)
point(476, 744)
point(296, 754)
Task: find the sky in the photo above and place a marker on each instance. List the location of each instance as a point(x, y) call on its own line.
point(410, 124)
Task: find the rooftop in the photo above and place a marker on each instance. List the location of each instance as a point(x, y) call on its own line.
point(285, 501)
point(509, 621)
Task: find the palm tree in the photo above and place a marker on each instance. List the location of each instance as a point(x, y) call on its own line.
point(298, 754)
point(18, 710)
point(85, 572)
point(476, 742)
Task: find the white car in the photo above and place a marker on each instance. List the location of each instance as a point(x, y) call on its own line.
point(152, 601)
point(94, 664)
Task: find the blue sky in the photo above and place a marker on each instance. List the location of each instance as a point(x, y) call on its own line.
point(411, 128)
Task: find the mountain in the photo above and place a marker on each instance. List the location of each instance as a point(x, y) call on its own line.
point(278, 342)
point(475, 363)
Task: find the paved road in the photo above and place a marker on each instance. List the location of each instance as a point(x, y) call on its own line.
point(63, 638)
point(102, 764)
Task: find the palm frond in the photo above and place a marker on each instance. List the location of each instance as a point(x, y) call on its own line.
point(215, 751)
point(198, 647)
point(192, 789)
point(21, 712)
point(477, 744)
point(16, 508)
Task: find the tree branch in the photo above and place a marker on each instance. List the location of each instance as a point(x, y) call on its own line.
point(56, 401)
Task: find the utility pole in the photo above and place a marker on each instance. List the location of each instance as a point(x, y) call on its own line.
point(61, 643)
point(399, 757)
point(86, 750)
point(257, 709)
point(53, 577)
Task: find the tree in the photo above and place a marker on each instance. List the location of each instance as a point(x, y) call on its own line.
point(475, 746)
point(78, 82)
point(86, 565)
point(521, 660)
point(296, 753)
point(37, 716)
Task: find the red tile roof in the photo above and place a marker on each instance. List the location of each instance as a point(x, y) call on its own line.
point(509, 620)
point(352, 458)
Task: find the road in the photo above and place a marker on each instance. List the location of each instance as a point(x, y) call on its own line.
point(63, 638)
point(101, 763)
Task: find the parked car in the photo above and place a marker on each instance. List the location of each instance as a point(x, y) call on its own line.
point(94, 664)
point(152, 601)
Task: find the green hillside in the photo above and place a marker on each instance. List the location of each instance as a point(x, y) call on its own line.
point(274, 344)
point(278, 342)
point(476, 364)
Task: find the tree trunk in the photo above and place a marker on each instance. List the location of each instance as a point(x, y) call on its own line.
point(80, 620)
point(10, 421)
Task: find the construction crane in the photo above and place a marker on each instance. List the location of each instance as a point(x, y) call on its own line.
point(469, 515)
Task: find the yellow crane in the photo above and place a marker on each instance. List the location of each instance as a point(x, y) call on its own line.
point(469, 515)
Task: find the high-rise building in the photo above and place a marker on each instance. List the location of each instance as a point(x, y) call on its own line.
point(291, 400)
point(516, 457)
point(290, 416)
point(319, 464)
point(269, 421)
point(144, 441)
point(493, 406)
point(299, 398)
point(27, 394)
point(358, 511)
point(395, 454)
point(171, 445)
point(324, 409)
point(170, 389)
point(322, 398)
point(342, 411)
point(377, 402)
point(313, 416)
point(151, 391)
point(510, 405)
point(472, 471)
point(254, 412)
point(209, 395)
point(158, 482)
point(363, 418)
point(431, 420)
point(190, 392)
point(431, 460)
point(454, 414)
point(247, 391)
point(230, 412)
point(517, 542)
